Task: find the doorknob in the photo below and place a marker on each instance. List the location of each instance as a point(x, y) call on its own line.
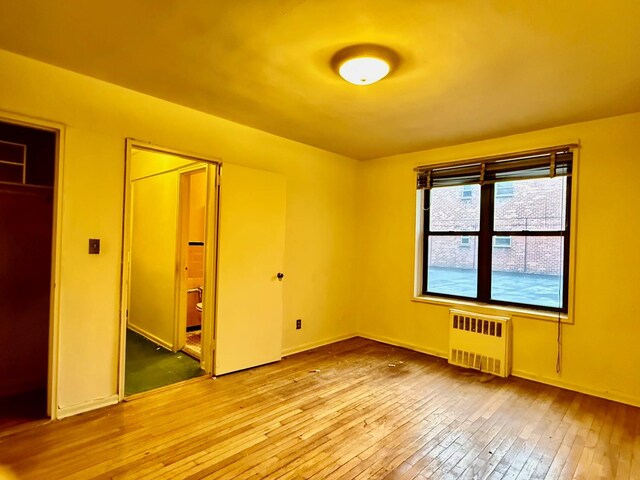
point(280, 276)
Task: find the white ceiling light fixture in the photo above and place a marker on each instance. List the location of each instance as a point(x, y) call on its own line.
point(364, 64)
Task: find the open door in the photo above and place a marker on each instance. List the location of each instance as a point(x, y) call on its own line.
point(250, 257)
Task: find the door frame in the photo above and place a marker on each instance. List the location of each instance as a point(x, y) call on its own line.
point(211, 252)
point(56, 249)
point(184, 193)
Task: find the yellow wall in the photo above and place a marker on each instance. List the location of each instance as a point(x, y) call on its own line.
point(320, 231)
point(154, 244)
point(155, 202)
point(145, 163)
point(336, 257)
point(600, 351)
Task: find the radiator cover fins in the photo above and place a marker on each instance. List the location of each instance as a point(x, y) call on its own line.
point(481, 342)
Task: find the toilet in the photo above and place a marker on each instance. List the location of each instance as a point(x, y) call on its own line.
point(194, 308)
point(199, 304)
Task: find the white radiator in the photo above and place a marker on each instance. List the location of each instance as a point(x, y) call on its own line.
point(482, 342)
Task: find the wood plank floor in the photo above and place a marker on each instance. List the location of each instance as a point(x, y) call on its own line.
point(353, 410)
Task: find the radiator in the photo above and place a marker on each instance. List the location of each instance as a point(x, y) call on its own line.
point(481, 342)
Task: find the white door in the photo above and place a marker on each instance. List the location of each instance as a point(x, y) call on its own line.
point(251, 251)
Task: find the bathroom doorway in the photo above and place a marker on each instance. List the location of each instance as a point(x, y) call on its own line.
point(193, 222)
point(168, 279)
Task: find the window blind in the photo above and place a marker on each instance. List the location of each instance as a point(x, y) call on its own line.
point(548, 162)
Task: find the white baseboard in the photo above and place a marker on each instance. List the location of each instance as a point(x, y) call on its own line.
point(151, 336)
point(606, 394)
point(320, 343)
point(86, 406)
point(398, 343)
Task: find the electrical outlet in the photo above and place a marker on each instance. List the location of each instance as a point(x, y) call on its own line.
point(298, 324)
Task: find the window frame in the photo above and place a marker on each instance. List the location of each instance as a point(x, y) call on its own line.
point(485, 235)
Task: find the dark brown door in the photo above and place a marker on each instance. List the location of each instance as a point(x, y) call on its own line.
point(26, 225)
point(25, 262)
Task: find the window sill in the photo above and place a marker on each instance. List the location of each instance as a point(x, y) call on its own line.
point(495, 309)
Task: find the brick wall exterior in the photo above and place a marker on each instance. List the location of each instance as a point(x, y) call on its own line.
point(532, 205)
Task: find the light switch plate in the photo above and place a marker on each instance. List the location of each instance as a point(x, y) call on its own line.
point(94, 246)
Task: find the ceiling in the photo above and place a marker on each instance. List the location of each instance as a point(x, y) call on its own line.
point(470, 69)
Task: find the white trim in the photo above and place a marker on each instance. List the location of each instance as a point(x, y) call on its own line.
point(56, 255)
point(151, 336)
point(87, 406)
point(486, 308)
point(209, 317)
point(606, 394)
point(124, 268)
point(418, 248)
point(153, 148)
point(410, 346)
point(573, 232)
point(320, 343)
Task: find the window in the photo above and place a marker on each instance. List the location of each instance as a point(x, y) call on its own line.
point(501, 242)
point(504, 189)
point(513, 223)
point(467, 192)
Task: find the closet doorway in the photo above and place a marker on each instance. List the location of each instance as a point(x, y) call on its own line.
point(27, 178)
point(169, 276)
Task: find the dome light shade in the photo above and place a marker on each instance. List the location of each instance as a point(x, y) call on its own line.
point(364, 64)
point(364, 70)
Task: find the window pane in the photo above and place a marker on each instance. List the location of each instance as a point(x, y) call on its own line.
point(504, 189)
point(455, 209)
point(453, 265)
point(534, 205)
point(502, 242)
point(529, 272)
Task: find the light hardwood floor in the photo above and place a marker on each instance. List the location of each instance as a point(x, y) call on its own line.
point(341, 411)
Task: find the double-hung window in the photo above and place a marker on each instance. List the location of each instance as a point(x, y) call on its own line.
point(496, 229)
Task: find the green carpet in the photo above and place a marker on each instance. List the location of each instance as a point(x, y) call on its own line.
point(149, 366)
